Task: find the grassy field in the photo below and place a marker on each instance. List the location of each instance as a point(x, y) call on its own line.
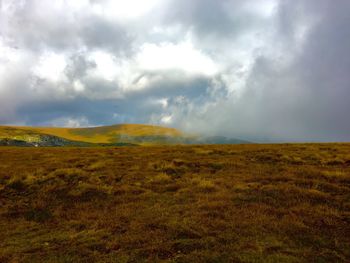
point(239, 203)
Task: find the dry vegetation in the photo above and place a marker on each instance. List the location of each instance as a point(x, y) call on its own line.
point(242, 203)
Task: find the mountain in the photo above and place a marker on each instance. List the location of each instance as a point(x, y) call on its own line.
point(117, 135)
point(219, 140)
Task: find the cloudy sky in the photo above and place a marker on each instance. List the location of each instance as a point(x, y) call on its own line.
point(253, 69)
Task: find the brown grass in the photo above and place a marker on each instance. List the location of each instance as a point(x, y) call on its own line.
point(241, 203)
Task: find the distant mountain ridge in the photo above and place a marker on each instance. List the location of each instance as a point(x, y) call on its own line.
point(113, 135)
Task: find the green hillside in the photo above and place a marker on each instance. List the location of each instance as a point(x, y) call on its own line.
point(122, 134)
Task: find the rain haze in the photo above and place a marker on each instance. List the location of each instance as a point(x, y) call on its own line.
point(267, 70)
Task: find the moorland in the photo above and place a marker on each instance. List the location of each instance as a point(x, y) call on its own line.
point(227, 203)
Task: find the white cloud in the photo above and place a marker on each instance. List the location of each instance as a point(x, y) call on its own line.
point(50, 66)
point(164, 102)
point(265, 8)
point(182, 57)
point(166, 119)
point(70, 122)
point(78, 86)
point(150, 64)
point(106, 65)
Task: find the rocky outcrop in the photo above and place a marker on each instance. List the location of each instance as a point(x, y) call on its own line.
point(45, 140)
point(10, 142)
point(42, 141)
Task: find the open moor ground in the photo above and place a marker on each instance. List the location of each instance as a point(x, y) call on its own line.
point(238, 203)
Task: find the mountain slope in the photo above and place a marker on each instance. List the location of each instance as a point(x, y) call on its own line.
point(114, 134)
point(122, 134)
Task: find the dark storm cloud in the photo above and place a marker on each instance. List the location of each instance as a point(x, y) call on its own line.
point(323, 67)
point(316, 104)
point(135, 107)
point(98, 112)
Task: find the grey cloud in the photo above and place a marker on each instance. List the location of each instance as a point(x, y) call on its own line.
point(38, 26)
point(222, 19)
point(30, 27)
point(14, 90)
point(99, 33)
point(135, 107)
point(173, 87)
point(306, 100)
point(97, 112)
point(78, 66)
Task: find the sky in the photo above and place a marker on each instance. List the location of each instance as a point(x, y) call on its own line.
point(264, 70)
